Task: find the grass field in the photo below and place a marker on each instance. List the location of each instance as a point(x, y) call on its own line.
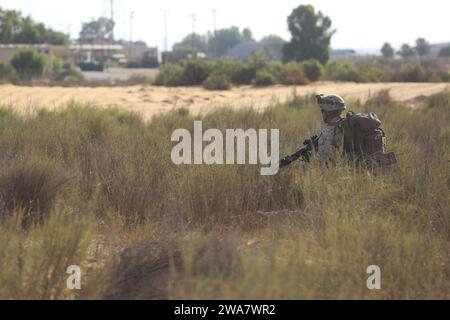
point(95, 187)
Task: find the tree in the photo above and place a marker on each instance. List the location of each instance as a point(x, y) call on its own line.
point(6, 71)
point(9, 21)
point(14, 28)
point(311, 35)
point(422, 47)
point(225, 39)
point(406, 51)
point(192, 43)
point(28, 64)
point(247, 35)
point(30, 32)
point(387, 51)
point(273, 47)
point(56, 37)
point(445, 52)
point(97, 30)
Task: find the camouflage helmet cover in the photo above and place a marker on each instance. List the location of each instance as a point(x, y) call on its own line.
point(331, 102)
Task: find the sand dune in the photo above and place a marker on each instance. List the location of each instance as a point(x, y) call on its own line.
point(150, 100)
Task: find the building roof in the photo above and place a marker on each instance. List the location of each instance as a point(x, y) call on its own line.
point(94, 47)
point(24, 46)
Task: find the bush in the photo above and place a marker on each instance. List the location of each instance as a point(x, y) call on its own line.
point(437, 76)
point(68, 74)
point(264, 78)
point(170, 75)
point(275, 68)
point(342, 72)
point(187, 73)
point(244, 73)
point(29, 63)
point(6, 72)
point(217, 81)
point(370, 74)
point(439, 100)
point(412, 73)
point(293, 74)
point(195, 72)
point(31, 185)
point(312, 69)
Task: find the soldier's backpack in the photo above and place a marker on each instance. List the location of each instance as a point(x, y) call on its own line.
point(364, 140)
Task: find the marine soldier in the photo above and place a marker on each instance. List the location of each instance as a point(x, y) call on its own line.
point(331, 138)
point(358, 137)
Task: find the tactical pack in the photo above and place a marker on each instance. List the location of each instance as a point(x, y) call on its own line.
point(364, 140)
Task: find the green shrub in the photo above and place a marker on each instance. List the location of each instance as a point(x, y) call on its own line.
point(29, 64)
point(264, 78)
point(188, 73)
point(312, 69)
point(195, 72)
point(244, 73)
point(439, 100)
point(412, 73)
point(339, 71)
point(217, 81)
point(69, 74)
point(293, 74)
point(170, 75)
point(275, 68)
point(226, 67)
point(6, 71)
point(438, 76)
point(369, 74)
point(31, 185)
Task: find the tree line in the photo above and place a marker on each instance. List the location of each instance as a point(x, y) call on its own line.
point(16, 28)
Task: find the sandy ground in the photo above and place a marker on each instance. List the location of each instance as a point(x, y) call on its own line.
point(151, 100)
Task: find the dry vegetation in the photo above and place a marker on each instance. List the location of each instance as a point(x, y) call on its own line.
point(96, 188)
point(151, 100)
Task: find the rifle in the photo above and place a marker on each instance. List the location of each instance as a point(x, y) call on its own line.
point(304, 153)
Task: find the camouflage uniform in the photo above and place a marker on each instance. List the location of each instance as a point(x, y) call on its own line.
point(330, 140)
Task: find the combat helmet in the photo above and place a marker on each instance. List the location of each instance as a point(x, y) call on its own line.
point(331, 102)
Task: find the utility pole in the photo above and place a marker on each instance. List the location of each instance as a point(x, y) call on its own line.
point(214, 12)
point(131, 34)
point(112, 20)
point(193, 34)
point(165, 29)
point(193, 22)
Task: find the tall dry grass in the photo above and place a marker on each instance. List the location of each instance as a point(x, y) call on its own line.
point(96, 188)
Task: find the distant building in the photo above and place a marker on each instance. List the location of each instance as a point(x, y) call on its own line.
point(139, 55)
point(89, 55)
point(151, 58)
point(7, 51)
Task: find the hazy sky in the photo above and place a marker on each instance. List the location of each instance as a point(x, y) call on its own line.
point(360, 24)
